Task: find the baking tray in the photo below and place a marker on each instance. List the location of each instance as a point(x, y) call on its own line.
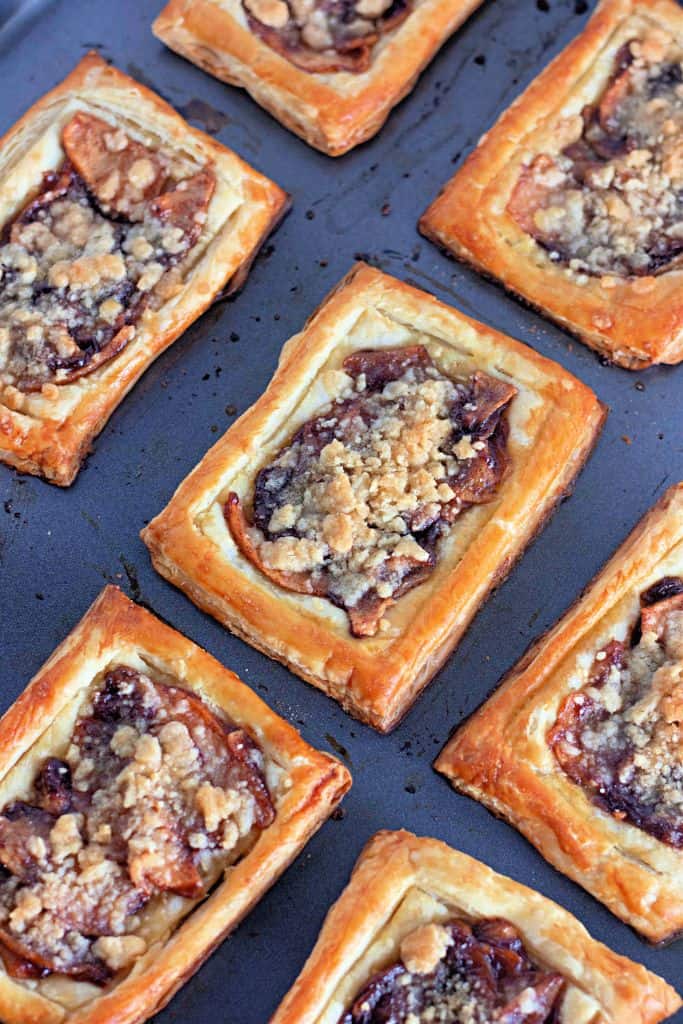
point(58, 548)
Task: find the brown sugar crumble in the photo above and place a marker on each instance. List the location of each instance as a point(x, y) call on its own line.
point(611, 202)
point(101, 242)
point(155, 794)
point(325, 35)
point(354, 507)
point(457, 973)
point(621, 736)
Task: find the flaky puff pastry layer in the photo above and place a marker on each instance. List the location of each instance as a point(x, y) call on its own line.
point(333, 111)
point(501, 755)
point(554, 421)
point(305, 786)
point(49, 434)
point(401, 882)
point(633, 321)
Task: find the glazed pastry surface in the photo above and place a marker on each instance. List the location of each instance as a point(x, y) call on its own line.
point(147, 800)
point(589, 765)
point(120, 225)
point(154, 794)
point(423, 933)
point(329, 70)
point(354, 519)
point(573, 199)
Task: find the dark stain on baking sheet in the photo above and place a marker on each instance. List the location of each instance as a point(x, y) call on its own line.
point(338, 747)
point(64, 544)
point(132, 578)
point(201, 113)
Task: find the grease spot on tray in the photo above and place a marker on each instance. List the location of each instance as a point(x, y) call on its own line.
point(132, 577)
point(338, 747)
point(202, 113)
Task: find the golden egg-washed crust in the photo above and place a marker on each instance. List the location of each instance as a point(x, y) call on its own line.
point(633, 321)
point(309, 785)
point(554, 422)
point(401, 882)
point(333, 111)
point(501, 755)
point(50, 432)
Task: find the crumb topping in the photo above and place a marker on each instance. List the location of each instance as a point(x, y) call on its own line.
point(100, 243)
point(611, 202)
point(422, 949)
point(621, 736)
point(354, 507)
point(458, 973)
point(154, 795)
point(325, 35)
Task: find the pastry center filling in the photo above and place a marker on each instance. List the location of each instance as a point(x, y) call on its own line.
point(91, 251)
point(155, 794)
point(354, 506)
point(461, 974)
point(325, 35)
point(621, 736)
point(611, 202)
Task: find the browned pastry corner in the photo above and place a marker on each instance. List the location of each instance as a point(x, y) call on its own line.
point(580, 748)
point(329, 70)
point(573, 199)
point(425, 932)
point(354, 519)
point(120, 225)
point(148, 799)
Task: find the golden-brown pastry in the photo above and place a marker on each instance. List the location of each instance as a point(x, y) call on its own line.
point(147, 800)
point(581, 747)
point(573, 199)
point(329, 70)
point(353, 520)
point(431, 934)
point(121, 224)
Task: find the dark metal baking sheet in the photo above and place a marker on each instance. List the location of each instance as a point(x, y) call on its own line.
point(57, 548)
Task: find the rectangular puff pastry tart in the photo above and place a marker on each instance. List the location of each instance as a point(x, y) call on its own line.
point(582, 746)
point(147, 801)
point(353, 520)
point(329, 70)
point(120, 225)
point(574, 199)
point(425, 934)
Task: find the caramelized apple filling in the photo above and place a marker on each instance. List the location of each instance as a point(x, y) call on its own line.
point(100, 243)
point(155, 794)
point(611, 202)
point(325, 35)
point(458, 973)
point(353, 508)
point(621, 736)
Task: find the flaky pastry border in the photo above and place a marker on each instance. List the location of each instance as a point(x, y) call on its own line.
point(603, 987)
point(333, 111)
point(112, 629)
point(637, 322)
point(50, 435)
point(377, 679)
point(501, 756)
